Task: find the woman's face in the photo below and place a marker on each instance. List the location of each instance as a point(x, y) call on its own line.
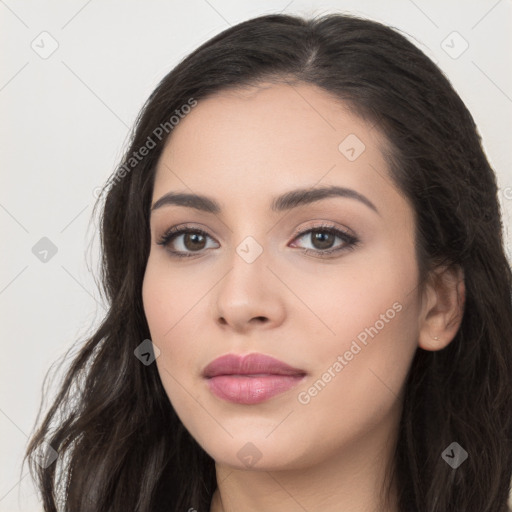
point(347, 321)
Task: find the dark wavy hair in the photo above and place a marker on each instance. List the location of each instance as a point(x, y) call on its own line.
point(122, 446)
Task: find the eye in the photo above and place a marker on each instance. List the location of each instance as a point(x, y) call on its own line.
point(192, 240)
point(323, 237)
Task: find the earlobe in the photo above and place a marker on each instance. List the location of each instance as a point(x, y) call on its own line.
point(443, 308)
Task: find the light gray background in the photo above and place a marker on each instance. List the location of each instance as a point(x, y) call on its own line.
point(64, 124)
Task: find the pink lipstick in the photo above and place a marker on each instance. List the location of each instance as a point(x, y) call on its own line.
point(250, 379)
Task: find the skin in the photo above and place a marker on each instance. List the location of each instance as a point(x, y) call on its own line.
point(242, 148)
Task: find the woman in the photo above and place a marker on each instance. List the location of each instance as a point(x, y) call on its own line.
point(342, 337)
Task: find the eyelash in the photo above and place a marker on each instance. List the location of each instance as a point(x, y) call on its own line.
point(350, 241)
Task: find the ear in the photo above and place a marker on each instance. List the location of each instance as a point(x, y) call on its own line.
point(442, 308)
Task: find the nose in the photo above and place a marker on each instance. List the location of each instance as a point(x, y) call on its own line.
point(249, 296)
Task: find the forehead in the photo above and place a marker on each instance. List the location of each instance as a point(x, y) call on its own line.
point(260, 141)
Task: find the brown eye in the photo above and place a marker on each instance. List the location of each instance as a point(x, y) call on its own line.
point(187, 240)
point(194, 241)
point(322, 239)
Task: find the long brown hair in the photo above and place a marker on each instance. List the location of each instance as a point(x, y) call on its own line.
point(121, 445)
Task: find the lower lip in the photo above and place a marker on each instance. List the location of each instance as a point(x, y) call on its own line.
point(244, 389)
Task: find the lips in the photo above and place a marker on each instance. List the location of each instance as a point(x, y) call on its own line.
point(251, 364)
point(250, 379)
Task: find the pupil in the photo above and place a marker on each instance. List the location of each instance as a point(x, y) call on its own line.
point(194, 237)
point(324, 239)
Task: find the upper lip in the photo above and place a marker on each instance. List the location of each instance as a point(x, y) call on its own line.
point(250, 364)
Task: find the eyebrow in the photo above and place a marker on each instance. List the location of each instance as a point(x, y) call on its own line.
point(286, 201)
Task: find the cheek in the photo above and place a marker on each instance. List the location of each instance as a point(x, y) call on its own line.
point(359, 370)
point(374, 290)
point(357, 387)
point(170, 298)
point(165, 315)
point(174, 306)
